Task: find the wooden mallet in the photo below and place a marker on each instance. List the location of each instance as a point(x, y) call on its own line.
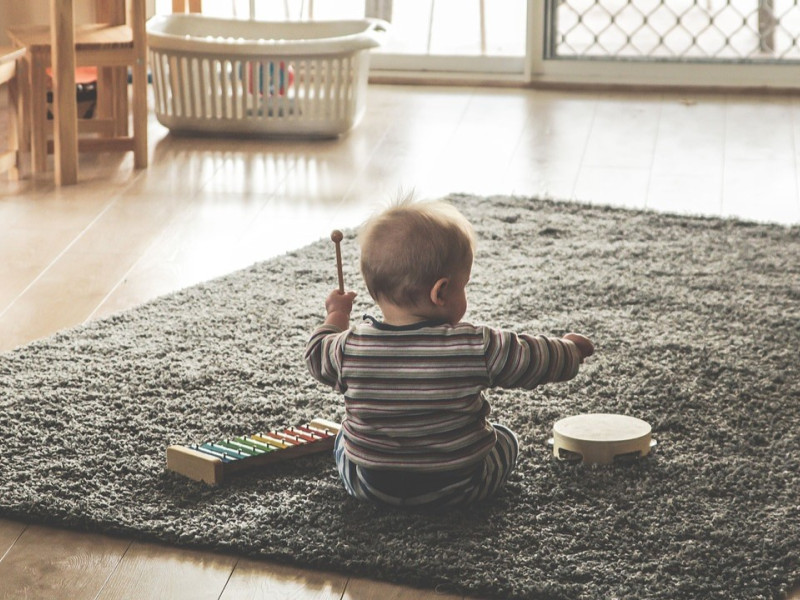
point(336, 237)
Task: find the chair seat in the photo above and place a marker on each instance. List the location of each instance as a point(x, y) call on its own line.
point(96, 36)
point(9, 54)
point(8, 58)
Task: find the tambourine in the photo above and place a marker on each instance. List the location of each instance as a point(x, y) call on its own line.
point(601, 438)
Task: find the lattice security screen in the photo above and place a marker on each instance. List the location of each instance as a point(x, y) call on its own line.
point(683, 30)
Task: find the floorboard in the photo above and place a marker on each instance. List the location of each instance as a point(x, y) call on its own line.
point(156, 571)
point(47, 562)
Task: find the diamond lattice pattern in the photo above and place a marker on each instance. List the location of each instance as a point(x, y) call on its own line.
point(738, 30)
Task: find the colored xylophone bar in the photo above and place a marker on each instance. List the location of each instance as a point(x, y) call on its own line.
point(212, 462)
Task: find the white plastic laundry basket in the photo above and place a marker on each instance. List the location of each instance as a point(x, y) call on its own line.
point(260, 78)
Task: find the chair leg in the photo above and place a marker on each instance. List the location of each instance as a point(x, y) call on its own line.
point(120, 100)
point(105, 89)
point(38, 114)
point(140, 115)
point(13, 124)
point(22, 105)
point(65, 104)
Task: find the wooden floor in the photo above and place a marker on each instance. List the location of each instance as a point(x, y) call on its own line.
point(206, 207)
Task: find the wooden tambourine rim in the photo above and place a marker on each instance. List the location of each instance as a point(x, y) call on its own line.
point(602, 438)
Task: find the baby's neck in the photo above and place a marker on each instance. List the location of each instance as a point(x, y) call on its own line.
point(403, 315)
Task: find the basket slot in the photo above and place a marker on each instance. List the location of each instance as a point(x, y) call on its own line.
point(196, 98)
point(331, 87)
point(265, 92)
point(167, 86)
point(225, 76)
point(258, 86)
point(251, 81)
point(158, 81)
point(300, 85)
point(236, 80)
point(189, 85)
point(347, 88)
point(253, 84)
point(222, 89)
point(172, 72)
point(208, 88)
point(233, 81)
point(335, 87)
point(184, 94)
point(186, 88)
point(352, 79)
point(205, 89)
point(320, 74)
point(216, 88)
point(180, 93)
point(286, 92)
point(349, 77)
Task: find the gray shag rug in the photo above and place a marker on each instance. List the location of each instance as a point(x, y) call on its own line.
point(697, 327)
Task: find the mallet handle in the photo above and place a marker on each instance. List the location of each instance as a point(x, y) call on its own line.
point(337, 237)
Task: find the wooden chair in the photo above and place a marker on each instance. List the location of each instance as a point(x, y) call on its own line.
point(113, 44)
point(9, 159)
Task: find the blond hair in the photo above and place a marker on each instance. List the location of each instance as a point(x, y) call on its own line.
point(408, 247)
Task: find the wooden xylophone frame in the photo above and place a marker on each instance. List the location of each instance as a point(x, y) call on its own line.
point(213, 462)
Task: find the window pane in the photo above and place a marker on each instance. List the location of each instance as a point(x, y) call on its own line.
point(726, 30)
point(419, 27)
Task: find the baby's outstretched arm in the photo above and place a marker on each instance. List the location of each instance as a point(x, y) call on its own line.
point(584, 344)
point(339, 306)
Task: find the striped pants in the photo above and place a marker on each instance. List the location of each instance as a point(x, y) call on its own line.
point(436, 489)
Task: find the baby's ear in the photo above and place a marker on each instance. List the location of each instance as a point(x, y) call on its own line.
point(438, 291)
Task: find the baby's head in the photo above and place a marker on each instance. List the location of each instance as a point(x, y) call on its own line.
point(410, 246)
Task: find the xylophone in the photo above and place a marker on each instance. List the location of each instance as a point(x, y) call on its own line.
point(212, 462)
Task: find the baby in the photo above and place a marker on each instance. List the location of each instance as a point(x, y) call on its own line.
point(416, 431)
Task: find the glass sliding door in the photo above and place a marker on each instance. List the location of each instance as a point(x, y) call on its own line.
point(681, 42)
point(485, 37)
point(715, 43)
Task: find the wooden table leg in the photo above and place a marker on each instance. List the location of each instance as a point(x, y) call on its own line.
point(65, 103)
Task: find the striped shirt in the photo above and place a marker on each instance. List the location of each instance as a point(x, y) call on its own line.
point(413, 394)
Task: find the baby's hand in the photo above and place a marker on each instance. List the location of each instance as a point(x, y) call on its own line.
point(584, 344)
point(337, 302)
